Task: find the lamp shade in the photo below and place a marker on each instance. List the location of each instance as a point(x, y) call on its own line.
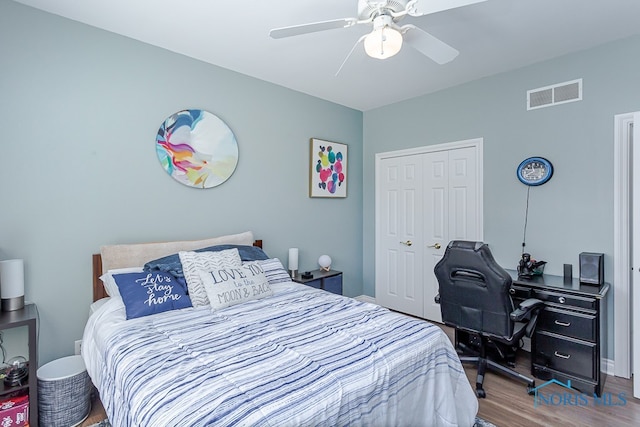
point(293, 261)
point(325, 262)
point(383, 42)
point(12, 284)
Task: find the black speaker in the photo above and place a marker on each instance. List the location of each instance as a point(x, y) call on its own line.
point(568, 273)
point(592, 268)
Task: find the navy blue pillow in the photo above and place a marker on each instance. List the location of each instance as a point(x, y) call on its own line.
point(150, 293)
point(171, 263)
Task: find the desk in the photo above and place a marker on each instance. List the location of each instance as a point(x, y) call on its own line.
point(568, 340)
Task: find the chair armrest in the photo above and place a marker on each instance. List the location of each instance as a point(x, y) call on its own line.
point(437, 298)
point(525, 309)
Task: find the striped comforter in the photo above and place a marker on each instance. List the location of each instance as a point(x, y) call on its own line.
point(300, 358)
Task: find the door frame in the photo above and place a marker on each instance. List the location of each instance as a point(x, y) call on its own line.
point(477, 143)
point(624, 352)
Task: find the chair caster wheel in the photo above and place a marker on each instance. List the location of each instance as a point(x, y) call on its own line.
point(481, 393)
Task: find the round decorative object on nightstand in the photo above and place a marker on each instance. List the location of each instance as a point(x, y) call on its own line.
point(324, 262)
point(16, 372)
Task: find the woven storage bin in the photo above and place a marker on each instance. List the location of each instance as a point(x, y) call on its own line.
point(64, 392)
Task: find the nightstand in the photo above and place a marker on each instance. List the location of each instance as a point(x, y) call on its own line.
point(26, 316)
point(330, 281)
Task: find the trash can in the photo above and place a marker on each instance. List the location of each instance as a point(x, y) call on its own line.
point(64, 392)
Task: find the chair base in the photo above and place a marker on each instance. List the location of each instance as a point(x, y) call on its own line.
point(470, 344)
point(483, 364)
point(502, 352)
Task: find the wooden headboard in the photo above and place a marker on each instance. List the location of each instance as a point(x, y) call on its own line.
point(98, 288)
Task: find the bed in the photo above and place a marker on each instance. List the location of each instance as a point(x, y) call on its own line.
point(297, 357)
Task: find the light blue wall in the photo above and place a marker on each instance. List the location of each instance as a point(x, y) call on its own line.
point(80, 107)
point(79, 111)
point(570, 214)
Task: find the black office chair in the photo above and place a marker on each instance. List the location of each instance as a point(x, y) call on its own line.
point(474, 297)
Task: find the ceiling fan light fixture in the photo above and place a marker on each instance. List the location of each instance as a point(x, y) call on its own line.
point(383, 42)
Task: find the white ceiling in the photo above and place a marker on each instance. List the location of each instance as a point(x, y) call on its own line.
point(492, 37)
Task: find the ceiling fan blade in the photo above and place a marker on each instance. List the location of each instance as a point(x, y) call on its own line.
point(297, 30)
point(428, 45)
point(425, 7)
point(350, 53)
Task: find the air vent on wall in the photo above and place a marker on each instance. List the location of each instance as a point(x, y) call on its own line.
point(560, 93)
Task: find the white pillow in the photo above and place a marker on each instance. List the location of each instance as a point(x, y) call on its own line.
point(109, 282)
point(230, 286)
point(194, 262)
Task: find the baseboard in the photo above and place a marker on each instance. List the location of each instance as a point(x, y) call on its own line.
point(366, 298)
point(606, 366)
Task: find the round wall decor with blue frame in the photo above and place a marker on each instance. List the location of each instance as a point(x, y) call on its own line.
point(534, 171)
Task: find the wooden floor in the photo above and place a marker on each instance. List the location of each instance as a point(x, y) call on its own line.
point(508, 405)
point(97, 413)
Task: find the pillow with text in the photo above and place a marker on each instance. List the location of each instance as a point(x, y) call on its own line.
point(230, 286)
point(194, 262)
point(150, 293)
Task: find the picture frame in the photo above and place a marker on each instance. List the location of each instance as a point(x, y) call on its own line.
point(328, 169)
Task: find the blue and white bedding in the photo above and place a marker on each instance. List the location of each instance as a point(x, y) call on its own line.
point(302, 357)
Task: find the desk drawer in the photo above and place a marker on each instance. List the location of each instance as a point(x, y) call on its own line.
point(568, 323)
point(565, 299)
point(520, 293)
point(565, 354)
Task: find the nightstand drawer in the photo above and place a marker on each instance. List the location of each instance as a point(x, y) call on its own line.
point(568, 355)
point(333, 284)
point(568, 323)
point(315, 283)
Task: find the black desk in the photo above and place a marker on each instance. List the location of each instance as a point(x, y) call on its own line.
point(568, 340)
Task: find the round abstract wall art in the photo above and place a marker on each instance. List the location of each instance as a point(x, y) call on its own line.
point(197, 148)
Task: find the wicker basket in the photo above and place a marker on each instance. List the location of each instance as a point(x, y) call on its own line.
point(64, 392)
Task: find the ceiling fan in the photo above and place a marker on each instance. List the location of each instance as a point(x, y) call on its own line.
point(387, 36)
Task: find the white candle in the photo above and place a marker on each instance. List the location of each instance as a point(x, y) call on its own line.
point(293, 259)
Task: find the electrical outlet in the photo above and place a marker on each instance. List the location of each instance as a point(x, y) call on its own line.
point(78, 346)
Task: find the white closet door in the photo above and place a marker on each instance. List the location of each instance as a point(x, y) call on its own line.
point(450, 212)
point(399, 234)
point(425, 197)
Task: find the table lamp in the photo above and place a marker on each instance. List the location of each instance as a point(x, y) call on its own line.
point(293, 261)
point(324, 262)
point(11, 284)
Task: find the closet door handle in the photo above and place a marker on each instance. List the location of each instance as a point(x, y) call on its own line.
point(435, 245)
point(408, 243)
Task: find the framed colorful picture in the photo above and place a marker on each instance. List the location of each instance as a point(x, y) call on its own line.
point(328, 169)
